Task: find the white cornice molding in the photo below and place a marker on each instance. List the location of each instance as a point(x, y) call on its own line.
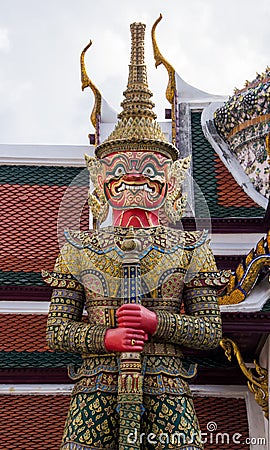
point(214, 390)
point(36, 389)
point(24, 307)
point(18, 307)
point(44, 155)
point(198, 390)
point(234, 243)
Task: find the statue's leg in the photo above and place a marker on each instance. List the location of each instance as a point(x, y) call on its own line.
point(170, 422)
point(92, 422)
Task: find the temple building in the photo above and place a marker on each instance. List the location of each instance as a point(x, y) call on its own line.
point(44, 189)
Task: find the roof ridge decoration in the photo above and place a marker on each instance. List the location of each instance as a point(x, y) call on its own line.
point(247, 272)
point(260, 78)
point(137, 128)
point(243, 122)
point(245, 107)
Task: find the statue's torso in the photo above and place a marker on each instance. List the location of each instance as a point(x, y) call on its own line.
point(95, 258)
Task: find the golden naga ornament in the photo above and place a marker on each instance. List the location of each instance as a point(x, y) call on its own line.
point(257, 384)
point(246, 274)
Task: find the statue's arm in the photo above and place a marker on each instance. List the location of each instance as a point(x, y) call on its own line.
point(65, 329)
point(200, 326)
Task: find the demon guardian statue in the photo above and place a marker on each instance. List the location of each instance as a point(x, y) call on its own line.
point(148, 290)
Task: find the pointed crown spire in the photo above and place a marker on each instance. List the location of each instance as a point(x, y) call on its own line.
point(137, 102)
point(137, 128)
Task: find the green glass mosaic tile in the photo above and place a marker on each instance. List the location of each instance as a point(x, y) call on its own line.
point(21, 279)
point(38, 359)
point(44, 175)
point(57, 359)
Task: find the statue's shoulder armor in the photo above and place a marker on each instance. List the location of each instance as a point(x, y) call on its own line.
point(78, 239)
point(187, 240)
point(162, 239)
point(99, 241)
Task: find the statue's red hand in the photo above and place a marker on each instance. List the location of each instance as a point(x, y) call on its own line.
point(124, 340)
point(136, 316)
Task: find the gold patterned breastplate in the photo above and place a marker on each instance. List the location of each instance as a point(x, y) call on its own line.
point(165, 256)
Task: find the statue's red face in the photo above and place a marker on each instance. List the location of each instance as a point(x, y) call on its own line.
point(135, 180)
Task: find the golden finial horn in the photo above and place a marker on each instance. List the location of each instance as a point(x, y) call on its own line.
point(171, 87)
point(157, 55)
point(86, 82)
point(159, 59)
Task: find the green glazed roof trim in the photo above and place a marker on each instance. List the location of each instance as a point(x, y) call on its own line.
point(57, 359)
point(266, 306)
point(43, 175)
point(21, 279)
point(207, 363)
point(38, 359)
point(203, 157)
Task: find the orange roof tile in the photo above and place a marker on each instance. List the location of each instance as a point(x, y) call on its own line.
point(229, 191)
point(229, 415)
point(23, 332)
point(30, 224)
point(32, 422)
point(36, 422)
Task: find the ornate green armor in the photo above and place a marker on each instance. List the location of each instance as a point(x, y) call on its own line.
point(188, 315)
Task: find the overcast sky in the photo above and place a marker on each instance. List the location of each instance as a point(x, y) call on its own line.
point(214, 45)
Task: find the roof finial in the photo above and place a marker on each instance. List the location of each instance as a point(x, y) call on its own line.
point(86, 82)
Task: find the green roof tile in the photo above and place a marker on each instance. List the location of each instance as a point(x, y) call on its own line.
point(266, 306)
point(57, 359)
point(203, 156)
point(21, 279)
point(38, 359)
point(43, 175)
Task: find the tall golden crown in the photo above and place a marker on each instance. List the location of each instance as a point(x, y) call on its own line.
point(137, 128)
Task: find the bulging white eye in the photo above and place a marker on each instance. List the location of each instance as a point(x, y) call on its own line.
point(119, 171)
point(148, 171)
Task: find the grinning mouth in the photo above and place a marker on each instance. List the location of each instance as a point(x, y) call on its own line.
point(134, 188)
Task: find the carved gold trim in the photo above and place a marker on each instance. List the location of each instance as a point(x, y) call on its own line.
point(257, 384)
point(86, 82)
point(171, 87)
point(267, 144)
point(241, 283)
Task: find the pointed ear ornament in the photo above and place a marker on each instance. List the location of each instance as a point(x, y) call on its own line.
point(96, 199)
point(175, 202)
